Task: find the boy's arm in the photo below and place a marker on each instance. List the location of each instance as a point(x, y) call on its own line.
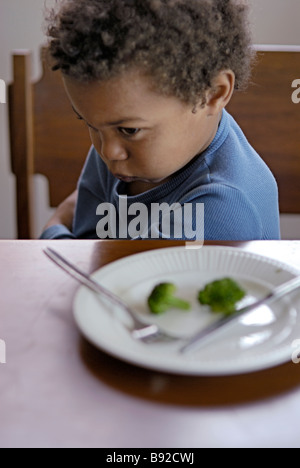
point(60, 223)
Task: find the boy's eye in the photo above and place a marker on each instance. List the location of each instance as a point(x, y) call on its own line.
point(129, 131)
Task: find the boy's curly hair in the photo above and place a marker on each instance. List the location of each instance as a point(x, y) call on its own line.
point(182, 44)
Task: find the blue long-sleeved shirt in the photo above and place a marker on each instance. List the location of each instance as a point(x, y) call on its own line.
point(236, 188)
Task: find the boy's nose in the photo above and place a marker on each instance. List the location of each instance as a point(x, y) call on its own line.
point(113, 150)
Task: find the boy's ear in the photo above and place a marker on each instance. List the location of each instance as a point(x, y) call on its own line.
point(220, 94)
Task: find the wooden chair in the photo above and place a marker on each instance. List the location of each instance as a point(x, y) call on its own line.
point(270, 120)
point(47, 139)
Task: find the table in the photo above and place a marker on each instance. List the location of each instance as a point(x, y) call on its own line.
point(57, 390)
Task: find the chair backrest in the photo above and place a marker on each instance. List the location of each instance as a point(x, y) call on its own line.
point(46, 138)
point(271, 120)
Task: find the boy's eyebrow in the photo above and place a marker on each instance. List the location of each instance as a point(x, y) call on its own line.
point(117, 122)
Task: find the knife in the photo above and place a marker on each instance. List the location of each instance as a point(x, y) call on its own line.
point(201, 337)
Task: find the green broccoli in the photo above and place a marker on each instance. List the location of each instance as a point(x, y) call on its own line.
point(221, 295)
point(162, 298)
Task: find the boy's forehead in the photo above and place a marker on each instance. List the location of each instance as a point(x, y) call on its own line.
point(128, 85)
point(133, 94)
point(133, 77)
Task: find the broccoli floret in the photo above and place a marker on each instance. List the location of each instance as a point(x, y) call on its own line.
point(162, 298)
point(221, 295)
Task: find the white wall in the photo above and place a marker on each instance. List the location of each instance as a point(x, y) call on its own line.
point(274, 22)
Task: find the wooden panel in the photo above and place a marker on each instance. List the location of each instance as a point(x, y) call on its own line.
point(61, 141)
point(271, 121)
point(20, 118)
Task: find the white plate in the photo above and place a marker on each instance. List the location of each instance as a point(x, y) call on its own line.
point(260, 340)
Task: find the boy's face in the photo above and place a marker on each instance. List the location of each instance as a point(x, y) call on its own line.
point(144, 138)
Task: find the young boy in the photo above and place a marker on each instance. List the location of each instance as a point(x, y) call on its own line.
point(151, 80)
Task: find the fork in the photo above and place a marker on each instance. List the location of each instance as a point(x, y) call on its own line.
point(139, 330)
point(151, 332)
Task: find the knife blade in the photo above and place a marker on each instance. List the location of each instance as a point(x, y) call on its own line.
point(203, 335)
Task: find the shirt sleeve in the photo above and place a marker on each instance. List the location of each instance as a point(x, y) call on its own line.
point(58, 231)
point(229, 215)
point(92, 190)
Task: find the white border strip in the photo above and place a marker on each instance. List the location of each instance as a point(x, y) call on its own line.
point(276, 48)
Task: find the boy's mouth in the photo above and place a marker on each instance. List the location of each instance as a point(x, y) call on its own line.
point(125, 178)
point(129, 179)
